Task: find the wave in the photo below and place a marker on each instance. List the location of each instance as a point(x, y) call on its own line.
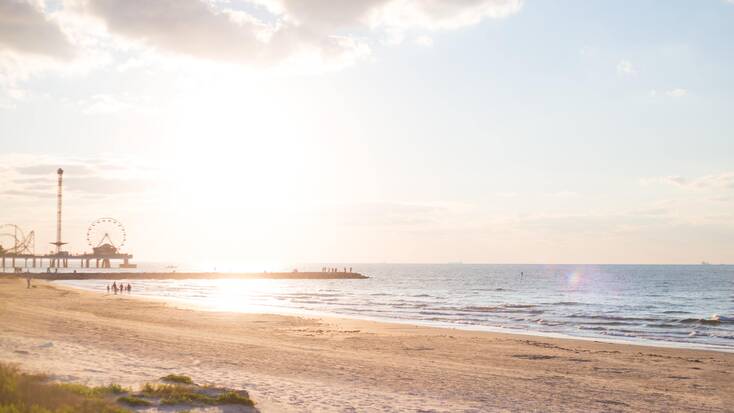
point(663, 325)
point(605, 323)
point(565, 303)
point(503, 308)
point(614, 318)
point(435, 313)
point(714, 320)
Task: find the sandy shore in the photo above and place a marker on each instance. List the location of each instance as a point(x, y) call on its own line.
point(304, 364)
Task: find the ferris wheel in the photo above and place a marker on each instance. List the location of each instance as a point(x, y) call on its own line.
point(106, 231)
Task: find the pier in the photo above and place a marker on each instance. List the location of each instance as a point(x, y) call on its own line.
point(21, 262)
point(106, 236)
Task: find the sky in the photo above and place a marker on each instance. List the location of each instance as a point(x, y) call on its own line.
point(259, 133)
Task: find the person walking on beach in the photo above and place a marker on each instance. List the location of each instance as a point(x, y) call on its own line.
point(129, 288)
point(114, 287)
point(28, 280)
point(108, 288)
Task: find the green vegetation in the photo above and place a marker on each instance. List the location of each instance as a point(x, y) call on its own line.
point(233, 397)
point(133, 401)
point(178, 378)
point(173, 394)
point(26, 393)
point(87, 391)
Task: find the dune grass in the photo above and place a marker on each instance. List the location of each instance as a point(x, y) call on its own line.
point(133, 401)
point(177, 378)
point(233, 397)
point(28, 393)
point(176, 394)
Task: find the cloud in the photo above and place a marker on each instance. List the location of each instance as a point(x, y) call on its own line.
point(25, 29)
point(672, 93)
point(722, 181)
point(185, 26)
point(440, 15)
point(625, 68)
point(36, 41)
point(108, 104)
point(102, 185)
point(385, 214)
point(425, 41)
point(404, 14)
point(324, 28)
point(50, 169)
point(677, 93)
point(77, 36)
point(26, 177)
point(29, 193)
point(201, 30)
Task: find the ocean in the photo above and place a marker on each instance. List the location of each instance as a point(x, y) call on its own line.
point(680, 305)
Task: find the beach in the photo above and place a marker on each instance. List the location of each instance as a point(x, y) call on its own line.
point(293, 364)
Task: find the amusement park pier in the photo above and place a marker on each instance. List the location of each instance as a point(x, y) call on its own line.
point(105, 236)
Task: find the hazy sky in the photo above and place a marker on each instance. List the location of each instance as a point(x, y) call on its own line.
point(256, 133)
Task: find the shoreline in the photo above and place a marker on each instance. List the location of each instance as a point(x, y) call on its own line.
point(295, 363)
point(193, 305)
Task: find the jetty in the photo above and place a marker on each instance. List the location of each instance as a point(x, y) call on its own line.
point(294, 275)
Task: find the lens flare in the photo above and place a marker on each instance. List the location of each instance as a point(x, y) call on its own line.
point(574, 278)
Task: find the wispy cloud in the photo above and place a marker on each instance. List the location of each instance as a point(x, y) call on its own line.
point(26, 29)
point(677, 93)
point(391, 214)
point(425, 41)
point(231, 32)
point(31, 178)
point(77, 36)
point(720, 181)
point(50, 169)
point(625, 68)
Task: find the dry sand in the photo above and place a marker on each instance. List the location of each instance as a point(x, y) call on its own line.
point(328, 364)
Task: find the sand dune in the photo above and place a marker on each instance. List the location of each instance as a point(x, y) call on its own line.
point(325, 364)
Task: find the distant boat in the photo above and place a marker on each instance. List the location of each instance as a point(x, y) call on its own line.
point(705, 263)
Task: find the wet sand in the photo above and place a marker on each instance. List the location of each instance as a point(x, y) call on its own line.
point(328, 364)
